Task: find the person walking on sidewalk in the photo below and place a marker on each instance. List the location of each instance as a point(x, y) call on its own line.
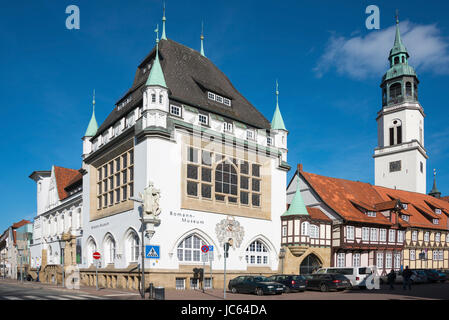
point(391, 279)
point(407, 282)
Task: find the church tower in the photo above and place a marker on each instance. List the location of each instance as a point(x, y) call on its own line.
point(400, 158)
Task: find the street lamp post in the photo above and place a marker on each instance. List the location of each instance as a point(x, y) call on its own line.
point(62, 244)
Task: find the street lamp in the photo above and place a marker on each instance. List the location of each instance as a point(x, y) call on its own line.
point(62, 244)
point(282, 256)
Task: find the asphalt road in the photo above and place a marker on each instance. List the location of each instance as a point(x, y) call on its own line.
point(431, 291)
point(10, 291)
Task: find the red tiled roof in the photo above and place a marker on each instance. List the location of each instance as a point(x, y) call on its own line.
point(338, 194)
point(418, 200)
point(20, 223)
point(446, 198)
point(63, 178)
point(317, 214)
point(77, 178)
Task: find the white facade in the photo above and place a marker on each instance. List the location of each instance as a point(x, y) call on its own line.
point(401, 165)
point(56, 218)
point(159, 159)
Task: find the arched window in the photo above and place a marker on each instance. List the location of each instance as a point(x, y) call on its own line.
point(109, 249)
point(384, 96)
point(91, 248)
point(395, 91)
point(415, 87)
point(132, 247)
point(403, 59)
point(396, 132)
point(226, 179)
point(189, 249)
point(305, 228)
point(256, 253)
point(396, 60)
point(408, 89)
point(161, 98)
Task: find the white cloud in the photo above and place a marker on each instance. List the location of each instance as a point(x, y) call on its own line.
point(361, 57)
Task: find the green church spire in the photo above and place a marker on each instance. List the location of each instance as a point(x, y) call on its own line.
point(277, 123)
point(93, 126)
point(297, 206)
point(435, 192)
point(202, 39)
point(398, 46)
point(164, 37)
point(156, 77)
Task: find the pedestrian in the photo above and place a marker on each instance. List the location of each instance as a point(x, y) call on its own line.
point(407, 282)
point(391, 279)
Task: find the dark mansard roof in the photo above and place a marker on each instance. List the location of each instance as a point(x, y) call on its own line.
point(189, 76)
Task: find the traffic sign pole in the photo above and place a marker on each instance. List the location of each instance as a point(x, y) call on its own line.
point(224, 284)
point(96, 273)
point(96, 255)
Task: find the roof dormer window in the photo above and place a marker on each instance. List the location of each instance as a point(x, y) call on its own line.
point(371, 213)
point(405, 217)
point(404, 206)
point(435, 221)
point(123, 103)
point(437, 211)
point(218, 98)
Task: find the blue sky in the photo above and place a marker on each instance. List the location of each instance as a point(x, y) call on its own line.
point(328, 64)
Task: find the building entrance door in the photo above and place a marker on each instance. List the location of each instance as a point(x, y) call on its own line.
point(310, 264)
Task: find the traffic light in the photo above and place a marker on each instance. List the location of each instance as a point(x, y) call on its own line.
point(226, 249)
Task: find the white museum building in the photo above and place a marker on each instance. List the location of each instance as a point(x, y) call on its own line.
point(219, 165)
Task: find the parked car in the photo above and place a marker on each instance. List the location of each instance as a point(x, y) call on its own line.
point(291, 282)
point(327, 281)
point(433, 275)
point(259, 285)
point(356, 275)
point(442, 277)
point(417, 277)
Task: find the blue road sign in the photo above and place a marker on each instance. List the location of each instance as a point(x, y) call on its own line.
point(211, 248)
point(152, 252)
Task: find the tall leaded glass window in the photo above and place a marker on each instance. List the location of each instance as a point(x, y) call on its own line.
point(226, 182)
point(115, 180)
point(219, 178)
point(189, 250)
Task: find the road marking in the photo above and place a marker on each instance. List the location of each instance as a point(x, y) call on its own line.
point(57, 298)
point(89, 296)
point(12, 298)
point(122, 294)
point(75, 297)
point(35, 298)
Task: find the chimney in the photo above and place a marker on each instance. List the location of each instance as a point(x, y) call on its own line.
point(300, 167)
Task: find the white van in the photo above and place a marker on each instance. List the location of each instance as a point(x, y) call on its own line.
point(357, 275)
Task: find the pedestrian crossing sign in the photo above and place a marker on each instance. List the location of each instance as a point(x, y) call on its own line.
point(152, 252)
